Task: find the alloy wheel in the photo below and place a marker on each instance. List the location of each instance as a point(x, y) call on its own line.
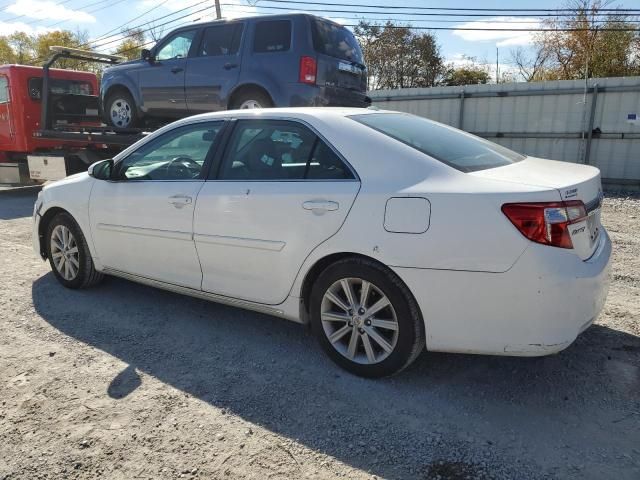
point(64, 252)
point(359, 320)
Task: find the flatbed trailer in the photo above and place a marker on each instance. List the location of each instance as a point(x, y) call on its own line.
point(50, 121)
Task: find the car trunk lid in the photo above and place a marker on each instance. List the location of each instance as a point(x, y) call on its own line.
point(572, 181)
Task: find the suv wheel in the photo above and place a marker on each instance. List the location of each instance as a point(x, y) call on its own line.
point(251, 99)
point(120, 110)
point(366, 319)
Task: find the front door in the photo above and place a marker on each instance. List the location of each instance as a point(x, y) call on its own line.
point(213, 71)
point(142, 220)
point(162, 80)
point(280, 192)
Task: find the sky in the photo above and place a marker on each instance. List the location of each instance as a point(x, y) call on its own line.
point(103, 20)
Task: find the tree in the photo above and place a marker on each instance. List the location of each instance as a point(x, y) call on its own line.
point(531, 69)
point(22, 46)
point(63, 38)
point(131, 45)
point(589, 43)
point(397, 57)
point(470, 74)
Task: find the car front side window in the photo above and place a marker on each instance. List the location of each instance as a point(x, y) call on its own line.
point(176, 155)
point(177, 46)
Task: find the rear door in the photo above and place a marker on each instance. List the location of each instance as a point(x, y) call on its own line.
point(162, 80)
point(340, 61)
point(280, 192)
point(213, 70)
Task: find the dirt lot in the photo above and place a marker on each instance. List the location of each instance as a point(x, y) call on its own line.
point(127, 382)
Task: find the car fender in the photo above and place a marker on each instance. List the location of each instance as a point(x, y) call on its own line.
point(265, 82)
point(121, 80)
point(74, 198)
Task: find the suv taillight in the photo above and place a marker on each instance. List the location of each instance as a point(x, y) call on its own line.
point(546, 223)
point(308, 70)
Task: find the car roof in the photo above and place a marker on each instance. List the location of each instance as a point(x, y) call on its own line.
point(285, 112)
point(269, 16)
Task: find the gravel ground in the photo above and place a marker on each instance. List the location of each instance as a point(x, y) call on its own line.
point(128, 382)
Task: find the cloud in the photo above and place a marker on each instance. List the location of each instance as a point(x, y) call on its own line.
point(7, 28)
point(48, 10)
point(500, 38)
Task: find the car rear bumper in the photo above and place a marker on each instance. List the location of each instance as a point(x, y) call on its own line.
point(538, 307)
point(300, 95)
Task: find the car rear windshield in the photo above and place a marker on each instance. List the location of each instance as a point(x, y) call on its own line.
point(336, 41)
point(458, 149)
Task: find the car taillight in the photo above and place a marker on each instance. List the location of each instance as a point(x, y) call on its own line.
point(546, 223)
point(308, 70)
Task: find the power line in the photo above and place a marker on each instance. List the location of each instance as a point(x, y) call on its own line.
point(405, 7)
point(393, 18)
point(35, 11)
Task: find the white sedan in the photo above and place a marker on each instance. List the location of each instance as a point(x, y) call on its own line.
point(387, 232)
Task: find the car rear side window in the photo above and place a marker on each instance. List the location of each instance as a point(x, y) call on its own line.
point(272, 36)
point(335, 40)
point(280, 150)
point(221, 40)
point(458, 149)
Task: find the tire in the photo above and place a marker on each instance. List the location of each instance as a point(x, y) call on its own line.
point(120, 110)
point(80, 273)
point(256, 97)
point(399, 324)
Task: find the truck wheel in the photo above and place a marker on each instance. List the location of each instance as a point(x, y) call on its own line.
point(120, 110)
point(251, 99)
point(69, 254)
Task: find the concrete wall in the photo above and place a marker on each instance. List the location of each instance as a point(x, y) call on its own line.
point(543, 119)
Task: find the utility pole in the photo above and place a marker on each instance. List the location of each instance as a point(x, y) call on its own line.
point(497, 67)
point(218, 12)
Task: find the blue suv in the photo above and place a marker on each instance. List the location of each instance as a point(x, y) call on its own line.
point(256, 62)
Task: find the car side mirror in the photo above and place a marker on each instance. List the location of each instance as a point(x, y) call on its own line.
point(145, 54)
point(101, 170)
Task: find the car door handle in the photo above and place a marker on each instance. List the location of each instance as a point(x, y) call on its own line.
point(176, 69)
point(320, 205)
point(180, 201)
point(229, 66)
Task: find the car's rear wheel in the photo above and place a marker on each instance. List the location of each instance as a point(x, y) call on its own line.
point(69, 254)
point(365, 318)
point(251, 99)
point(120, 110)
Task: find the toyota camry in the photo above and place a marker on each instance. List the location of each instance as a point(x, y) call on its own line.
point(386, 232)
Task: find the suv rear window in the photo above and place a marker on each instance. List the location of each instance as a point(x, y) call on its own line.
point(335, 40)
point(56, 85)
point(458, 149)
point(221, 40)
point(272, 36)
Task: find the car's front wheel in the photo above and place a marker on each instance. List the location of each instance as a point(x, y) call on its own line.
point(120, 110)
point(365, 318)
point(69, 254)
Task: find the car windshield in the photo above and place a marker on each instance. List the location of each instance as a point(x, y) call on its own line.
point(458, 149)
point(336, 41)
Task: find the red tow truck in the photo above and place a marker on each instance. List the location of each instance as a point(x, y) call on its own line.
point(50, 123)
